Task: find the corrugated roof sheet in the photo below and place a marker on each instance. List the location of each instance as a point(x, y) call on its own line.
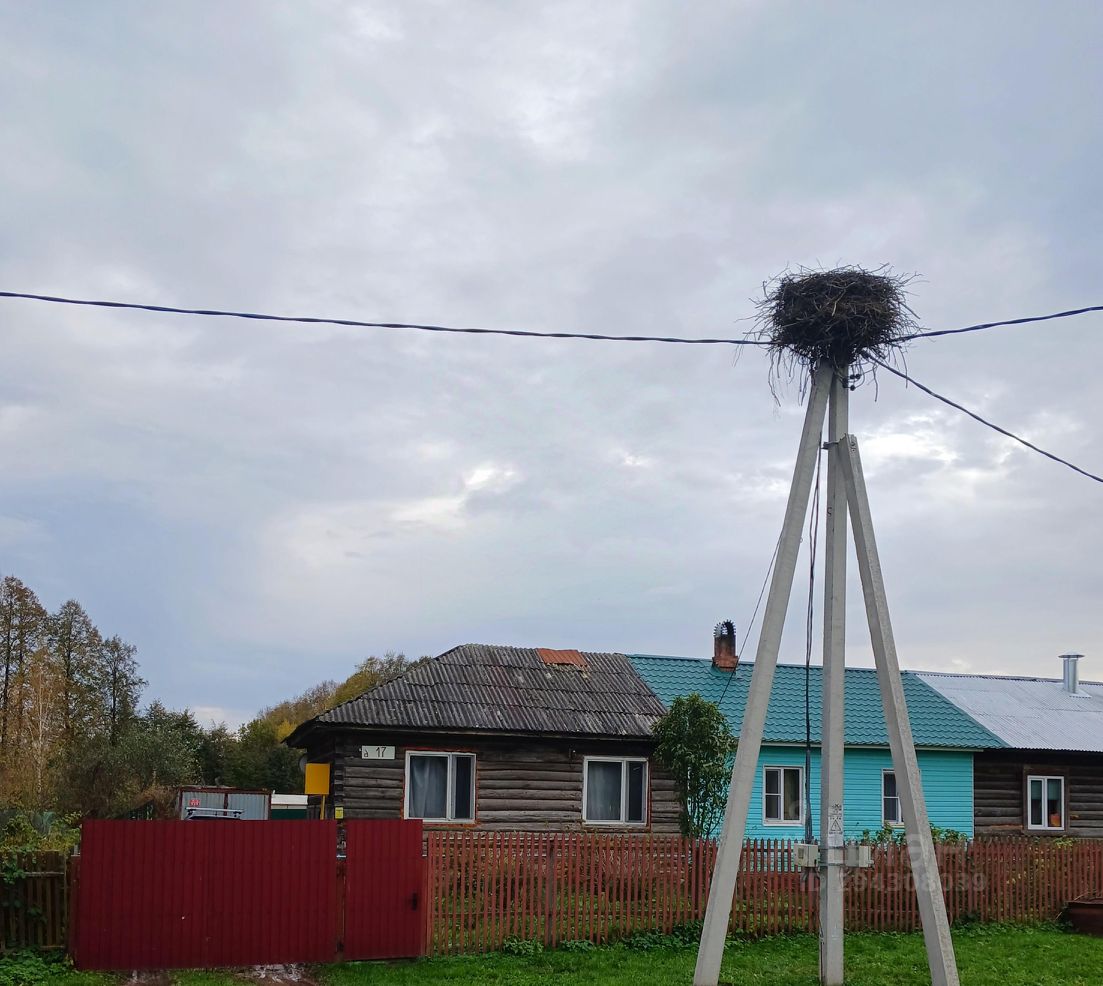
point(508, 689)
point(935, 721)
point(1028, 713)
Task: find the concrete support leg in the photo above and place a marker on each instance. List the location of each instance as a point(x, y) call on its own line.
point(834, 659)
point(932, 906)
point(722, 889)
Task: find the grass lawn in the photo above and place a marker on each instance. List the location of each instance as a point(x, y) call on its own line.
point(987, 956)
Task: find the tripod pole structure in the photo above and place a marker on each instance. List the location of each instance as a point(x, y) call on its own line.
point(722, 889)
point(832, 830)
point(924, 863)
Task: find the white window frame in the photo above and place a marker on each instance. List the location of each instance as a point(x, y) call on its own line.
point(884, 797)
point(783, 822)
point(1045, 826)
point(624, 762)
point(449, 799)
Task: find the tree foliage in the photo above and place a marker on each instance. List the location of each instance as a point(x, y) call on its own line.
point(695, 744)
point(75, 739)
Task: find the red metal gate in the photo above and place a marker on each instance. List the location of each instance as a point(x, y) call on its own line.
point(385, 906)
point(163, 895)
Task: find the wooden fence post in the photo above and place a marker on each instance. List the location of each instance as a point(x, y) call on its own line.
point(549, 898)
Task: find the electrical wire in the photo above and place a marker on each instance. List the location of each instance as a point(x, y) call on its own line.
point(813, 532)
point(984, 421)
point(524, 333)
point(421, 327)
point(761, 593)
point(1010, 321)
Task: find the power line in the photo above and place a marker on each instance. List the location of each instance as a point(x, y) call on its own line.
point(524, 333)
point(314, 320)
point(754, 615)
point(984, 421)
point(1010, 321)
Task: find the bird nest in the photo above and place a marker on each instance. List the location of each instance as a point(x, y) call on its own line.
point(849, 317)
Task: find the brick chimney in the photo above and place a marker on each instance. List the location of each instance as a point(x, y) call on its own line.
point(724, 656)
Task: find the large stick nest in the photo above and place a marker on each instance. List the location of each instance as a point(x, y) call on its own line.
point(849, 317)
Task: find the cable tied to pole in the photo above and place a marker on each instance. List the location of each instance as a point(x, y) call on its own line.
point(813, 532)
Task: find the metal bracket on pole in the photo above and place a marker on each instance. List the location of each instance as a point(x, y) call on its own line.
point(722, 889)
point(924, 863)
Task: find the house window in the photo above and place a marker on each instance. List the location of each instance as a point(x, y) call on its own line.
point(1045, 803)
point(440, 787)
point(783, 795)
point(890, 800)
point(614, 791)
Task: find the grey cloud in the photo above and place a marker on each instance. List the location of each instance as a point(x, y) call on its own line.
point(259, 505)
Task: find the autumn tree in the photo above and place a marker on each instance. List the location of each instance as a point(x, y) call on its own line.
point(76, 645)
point(22, 631)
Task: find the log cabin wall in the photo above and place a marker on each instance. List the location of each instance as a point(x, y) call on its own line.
point(999, 796)
point(521, 783)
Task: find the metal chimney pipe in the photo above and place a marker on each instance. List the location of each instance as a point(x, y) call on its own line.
point(1072, 673)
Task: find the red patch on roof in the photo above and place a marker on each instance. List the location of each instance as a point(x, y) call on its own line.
point(572, 658)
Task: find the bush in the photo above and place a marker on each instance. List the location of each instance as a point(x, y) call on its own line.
point(523, 947)
point(577, 945)
point(37, 831)
point(29, 968)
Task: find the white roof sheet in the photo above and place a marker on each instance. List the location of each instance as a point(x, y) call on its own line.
point(1028, 713)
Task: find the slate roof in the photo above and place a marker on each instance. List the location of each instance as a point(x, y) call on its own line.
point(1028, 713)
point(505, 689)
point(935, 721)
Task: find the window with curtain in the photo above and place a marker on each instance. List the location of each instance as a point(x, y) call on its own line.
point(890, 800)
point(614, 791)
point(1045, 803)
point(440, 787)
point(783, 795)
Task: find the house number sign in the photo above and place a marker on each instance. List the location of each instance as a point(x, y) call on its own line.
point(377, 753)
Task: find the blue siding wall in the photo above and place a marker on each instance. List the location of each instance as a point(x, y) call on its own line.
point(947, 785)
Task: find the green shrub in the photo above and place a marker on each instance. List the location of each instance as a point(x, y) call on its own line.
point(577, 945)
point(27, 968)
point(523, 947)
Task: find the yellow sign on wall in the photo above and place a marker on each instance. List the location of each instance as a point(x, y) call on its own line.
point(317, 778)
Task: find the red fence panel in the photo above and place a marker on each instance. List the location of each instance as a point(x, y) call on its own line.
point(386, 890)
point(161, 895)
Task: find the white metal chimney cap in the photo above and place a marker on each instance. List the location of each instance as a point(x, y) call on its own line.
point(1071, 674)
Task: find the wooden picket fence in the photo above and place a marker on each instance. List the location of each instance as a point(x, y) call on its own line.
point(34, 900)
point(487, 887)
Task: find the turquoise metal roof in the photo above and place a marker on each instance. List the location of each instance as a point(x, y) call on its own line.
point(935, 721)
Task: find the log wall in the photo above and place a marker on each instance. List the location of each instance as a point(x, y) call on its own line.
point(521, 784)
point(999, 797)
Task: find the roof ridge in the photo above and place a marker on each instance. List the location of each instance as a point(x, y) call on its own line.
point(1001, 677)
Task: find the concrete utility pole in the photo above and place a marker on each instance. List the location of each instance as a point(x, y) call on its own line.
point(722, 890)
point(928, 885)
point(832, 742)
point(846, 489)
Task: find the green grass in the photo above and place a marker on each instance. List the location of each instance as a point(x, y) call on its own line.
point(989, 955)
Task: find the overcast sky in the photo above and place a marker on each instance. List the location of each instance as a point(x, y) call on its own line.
point(258, 506)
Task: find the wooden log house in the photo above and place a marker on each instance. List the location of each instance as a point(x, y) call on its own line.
point(510, 738)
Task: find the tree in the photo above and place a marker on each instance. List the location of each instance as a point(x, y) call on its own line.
point(22, 628)
point(157, 751)
point(260, 760)
point(76, 645)
point(694, 744)
point(122, 685)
